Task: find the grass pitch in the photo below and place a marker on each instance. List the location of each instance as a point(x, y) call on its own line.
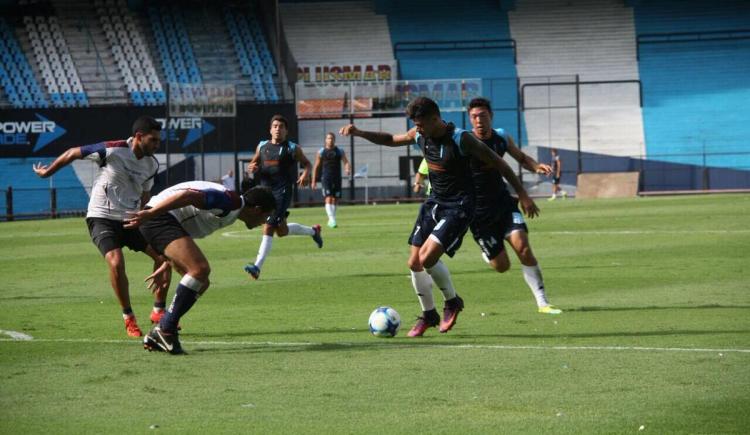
point(655, 337)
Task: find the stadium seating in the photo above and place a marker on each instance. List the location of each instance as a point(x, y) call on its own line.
point(696, 91)
point(251, 48)
point(16, 76)
point(130, 53)
point(173, 44)
point(54, 61)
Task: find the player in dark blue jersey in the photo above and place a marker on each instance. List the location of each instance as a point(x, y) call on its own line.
point(275, 164)
point(329, 161)
point(498, 217)
point(445, 216)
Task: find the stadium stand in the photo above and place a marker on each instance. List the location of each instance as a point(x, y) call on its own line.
point(173, 44)
point(595, 40)
point(695, 84)
point(129, 49)
point(55, 62)
point(17, 77)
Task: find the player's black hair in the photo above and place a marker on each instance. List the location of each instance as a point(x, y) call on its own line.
point(281, 119)
point(330, 133)
point(260, 197)
point(480, 102)
point(145, 124)
point(421, 107)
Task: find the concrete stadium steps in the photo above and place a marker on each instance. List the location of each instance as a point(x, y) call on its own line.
point(100, 77)
point(323, 32)
point(595, 40)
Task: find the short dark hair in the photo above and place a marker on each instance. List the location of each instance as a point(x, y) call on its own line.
point(420, 107)
point(330, 133)
point(480, 102)
point(146, 124)
point(281, 119)
point(260, 197)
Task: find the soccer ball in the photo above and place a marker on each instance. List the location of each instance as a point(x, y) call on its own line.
point(384, 322)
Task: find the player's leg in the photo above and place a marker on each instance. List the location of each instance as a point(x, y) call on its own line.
point(160, 294)
point(488, 234)
point(420, 279)
point(532, 273)
point(107, 235)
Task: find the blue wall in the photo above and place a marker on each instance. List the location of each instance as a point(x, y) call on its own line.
point(696, 93)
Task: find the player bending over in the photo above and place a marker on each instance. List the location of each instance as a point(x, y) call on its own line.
point(170, 222)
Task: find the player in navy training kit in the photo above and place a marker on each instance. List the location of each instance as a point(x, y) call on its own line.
point(329, 159)
point(498, 217)
point(123, 184)
point(445, 216)
point(170, 222)
point(275, 163)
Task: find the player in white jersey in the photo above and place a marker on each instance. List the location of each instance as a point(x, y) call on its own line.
point(170, 222)
point(126, 175)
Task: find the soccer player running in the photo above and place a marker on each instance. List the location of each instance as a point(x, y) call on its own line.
point(275, 161)
point(126, 174)
point(556, 174)
point(445, 216)
point(170, 222)
point(329, 158)
point(497, 215)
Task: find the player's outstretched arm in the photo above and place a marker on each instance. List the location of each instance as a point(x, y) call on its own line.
point(184, 198)
point(63, 160)
point(481, 151)
point(379, 137)
point(525, 160)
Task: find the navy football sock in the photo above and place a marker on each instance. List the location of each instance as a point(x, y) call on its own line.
point(184, 298)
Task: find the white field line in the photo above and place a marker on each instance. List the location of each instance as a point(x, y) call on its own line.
point(397, 345)
point(244, 234)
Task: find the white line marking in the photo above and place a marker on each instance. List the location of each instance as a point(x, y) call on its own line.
point(16, 336)
point(20, 235)
point(401, 344)
point(636, 232)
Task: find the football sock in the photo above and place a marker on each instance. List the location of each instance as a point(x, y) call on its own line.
point(533, 277)
point(127, 312)
point(333, 211)
point(423, 287)
point(265, 248)
point(184, 297)
point(300, 230)
point(160, 306)
point(329, 211)
point(442, 278)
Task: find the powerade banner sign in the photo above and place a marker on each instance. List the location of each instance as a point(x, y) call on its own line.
point(348, 72)
point(48, 133)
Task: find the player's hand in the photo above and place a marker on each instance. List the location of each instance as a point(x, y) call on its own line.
point(160, 278)
point(543, 169)
point(134, 219)
point(417, 187)
point(528, 206)
point(303, 179)
point(349, 130)
point(313, 184)
point(40, 169)
point(252, 167)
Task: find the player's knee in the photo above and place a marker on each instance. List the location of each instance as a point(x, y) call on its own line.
point(282, 232)
point(201, 271)
point(414, 264)
point(115, 260)
point(500, 266)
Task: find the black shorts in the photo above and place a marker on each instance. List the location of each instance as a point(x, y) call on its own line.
point(491, 228)
point(331, 187)
point(447, 222)
point(108, 234)
point(283, 197)
point(556, 180)
point(161, 231)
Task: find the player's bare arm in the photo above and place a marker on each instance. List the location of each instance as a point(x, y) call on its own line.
point(63, 160)
point(187, 197)
point(481, 151)
point(316, 168)
point(304, 178)
point(379, 137)
point(347, 166)
point(525, 160)
point(253, 166)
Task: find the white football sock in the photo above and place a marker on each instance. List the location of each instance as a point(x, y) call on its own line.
point(263, 250)
point(423, 288)
point(442, 278)
point(533, 277)
point(329, 211)
point(333, 211)
point(300, 230)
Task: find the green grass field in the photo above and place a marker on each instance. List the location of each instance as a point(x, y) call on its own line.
point(655, 334)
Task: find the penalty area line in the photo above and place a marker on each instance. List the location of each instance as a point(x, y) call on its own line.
point(394, 345)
